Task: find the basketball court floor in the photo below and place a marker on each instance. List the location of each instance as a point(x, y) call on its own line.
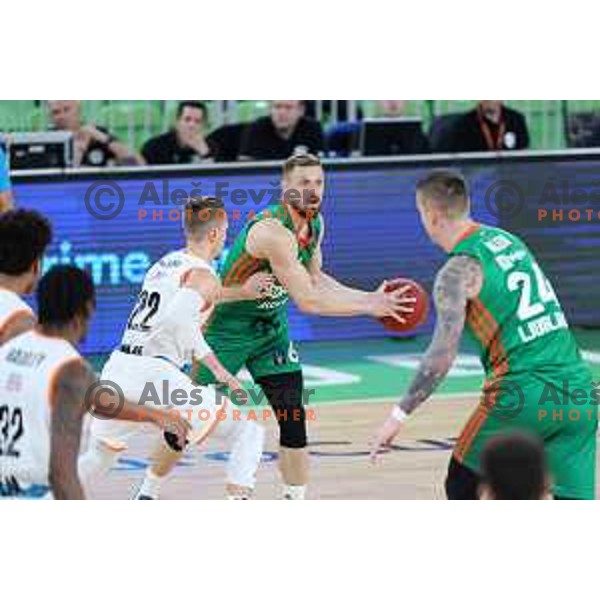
point(354, 385)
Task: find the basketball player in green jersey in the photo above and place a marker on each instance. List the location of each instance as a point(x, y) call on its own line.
point(493, 284)
point(285, 242)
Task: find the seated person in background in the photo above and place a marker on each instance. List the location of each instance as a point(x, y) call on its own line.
point(186, 142)
point(391, 109)
point(92, 146)
point(343, 138)
point(284, 133)
point(6, 201)
point(514, 468)
point(490, 126)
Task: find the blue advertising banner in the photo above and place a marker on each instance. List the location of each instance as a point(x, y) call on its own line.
point(117, 224)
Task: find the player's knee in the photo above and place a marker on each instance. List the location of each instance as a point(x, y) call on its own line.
point(292, 428)
point(284, 392)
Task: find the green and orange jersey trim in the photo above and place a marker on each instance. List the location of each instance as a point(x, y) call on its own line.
point(487, 332)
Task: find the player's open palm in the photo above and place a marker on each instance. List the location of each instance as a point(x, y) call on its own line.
point(394, 303)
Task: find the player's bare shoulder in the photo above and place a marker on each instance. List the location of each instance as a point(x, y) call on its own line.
point(460, 279)
point(269, 235)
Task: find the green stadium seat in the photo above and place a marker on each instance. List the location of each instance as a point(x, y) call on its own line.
point(132, 121)
point(15, 115)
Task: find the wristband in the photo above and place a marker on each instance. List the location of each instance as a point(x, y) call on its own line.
point(399, 414)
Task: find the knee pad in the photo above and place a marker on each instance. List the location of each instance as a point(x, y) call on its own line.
point(284, 392)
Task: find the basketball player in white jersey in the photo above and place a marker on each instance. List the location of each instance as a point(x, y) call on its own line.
point(44, 394)
point(24, 236)
point(162, 340)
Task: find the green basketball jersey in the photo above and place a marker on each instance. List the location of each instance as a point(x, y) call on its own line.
point(240, 265)
point(516, 320)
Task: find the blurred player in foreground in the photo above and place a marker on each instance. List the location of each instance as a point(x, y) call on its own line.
point(285, 241)
point(493, 283)
point(44, 385)
point(513, 467)
point(24, 236)
point(162, 338)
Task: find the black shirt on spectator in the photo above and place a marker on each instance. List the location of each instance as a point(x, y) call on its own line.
point(261, 141)
point(473, 132)
point(165, 150)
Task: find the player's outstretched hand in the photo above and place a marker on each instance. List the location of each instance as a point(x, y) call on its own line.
point(393, 303)
point(384, 437)
point(260, 285)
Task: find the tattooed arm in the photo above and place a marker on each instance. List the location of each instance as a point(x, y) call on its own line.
point(459, 280)
point(65, 430)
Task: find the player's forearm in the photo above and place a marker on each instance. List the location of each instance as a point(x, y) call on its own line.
point(141, 414)
point(432, 370)
point(222, 375)
point(323, 282)
point(333, 302)
point(65, 485)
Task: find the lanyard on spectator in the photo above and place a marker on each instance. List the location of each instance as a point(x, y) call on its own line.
point(487, 132)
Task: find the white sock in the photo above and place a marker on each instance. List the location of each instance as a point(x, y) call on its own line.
point(294, 492)
point(151, 484)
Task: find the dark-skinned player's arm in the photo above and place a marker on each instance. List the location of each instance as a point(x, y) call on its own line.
point(106, 404)
point(68, 408)
point(459, 280)
point(71, 392)
point(200, 291)
point(269, 240)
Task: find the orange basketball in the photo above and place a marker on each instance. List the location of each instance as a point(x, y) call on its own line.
point(421, 306)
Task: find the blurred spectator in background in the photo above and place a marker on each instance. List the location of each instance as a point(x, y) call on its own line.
point(283, 133)
point(514, 468)
point(186, 142)
point(343, 138)
point(491, 126)
point(391, 108)
point(5, 190)
point(92, 146)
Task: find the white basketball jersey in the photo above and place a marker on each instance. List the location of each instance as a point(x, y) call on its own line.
point(155, 327)
point(11, 306)
point(29, 364)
